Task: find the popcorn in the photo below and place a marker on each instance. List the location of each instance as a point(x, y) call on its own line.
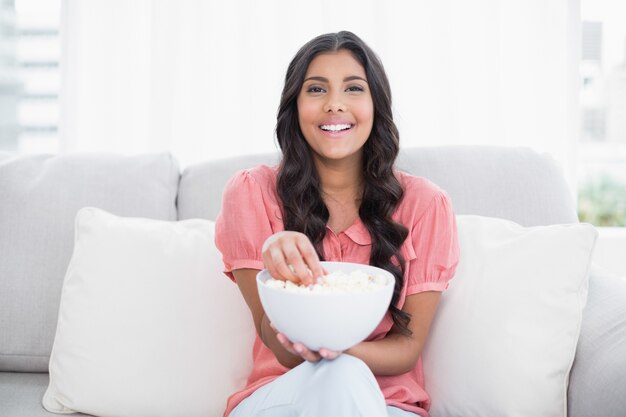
point(337, 282)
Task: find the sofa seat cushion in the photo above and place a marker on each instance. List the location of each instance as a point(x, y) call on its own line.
point(21, 393)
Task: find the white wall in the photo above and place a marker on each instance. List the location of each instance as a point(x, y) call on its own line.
point(203, 79)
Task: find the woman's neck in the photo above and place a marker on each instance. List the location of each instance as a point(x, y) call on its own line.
point(341, 181)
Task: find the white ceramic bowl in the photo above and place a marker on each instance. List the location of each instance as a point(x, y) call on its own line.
point(333, 321)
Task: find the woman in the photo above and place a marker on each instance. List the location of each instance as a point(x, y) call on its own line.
point(335, 196)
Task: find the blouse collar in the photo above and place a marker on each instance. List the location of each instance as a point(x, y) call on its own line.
point(357, 232)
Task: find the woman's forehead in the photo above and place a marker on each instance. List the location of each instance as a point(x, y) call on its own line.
point(336, 63)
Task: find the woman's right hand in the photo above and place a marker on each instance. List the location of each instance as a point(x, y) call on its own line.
point(299, 349)
point(290, 256)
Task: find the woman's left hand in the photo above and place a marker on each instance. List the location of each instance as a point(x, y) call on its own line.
point(298, 349)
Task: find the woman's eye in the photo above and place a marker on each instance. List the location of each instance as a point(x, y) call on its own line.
point(315, 89)
point(355, 88)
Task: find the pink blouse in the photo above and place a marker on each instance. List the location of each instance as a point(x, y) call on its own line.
point(251, 213)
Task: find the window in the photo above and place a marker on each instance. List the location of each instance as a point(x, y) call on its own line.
point(602, 151)
point(30, 52)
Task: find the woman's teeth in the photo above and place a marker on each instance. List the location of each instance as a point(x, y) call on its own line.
point(335, 128)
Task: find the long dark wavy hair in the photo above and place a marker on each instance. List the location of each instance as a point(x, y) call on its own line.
point(298, 183)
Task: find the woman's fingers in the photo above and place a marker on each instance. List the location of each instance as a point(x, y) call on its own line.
point(305, 353)
point(286, 343)
point(291, 256)
point(276, 264)
point(297, 349)
point(296, 263)
point(311, 259)
point(283, 340)
point(279, 268)
point(329, 354)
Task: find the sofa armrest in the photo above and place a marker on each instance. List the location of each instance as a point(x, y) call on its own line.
point(598, 374)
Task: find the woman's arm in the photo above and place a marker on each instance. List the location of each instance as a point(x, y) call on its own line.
point(396, 353)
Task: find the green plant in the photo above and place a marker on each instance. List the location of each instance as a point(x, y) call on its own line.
point(602, 201)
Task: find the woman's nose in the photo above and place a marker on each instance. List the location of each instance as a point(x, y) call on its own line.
point(334, 104)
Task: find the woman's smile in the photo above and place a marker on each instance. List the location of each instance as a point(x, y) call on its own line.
point(336, 128)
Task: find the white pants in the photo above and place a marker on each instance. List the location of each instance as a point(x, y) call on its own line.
point(343, 387)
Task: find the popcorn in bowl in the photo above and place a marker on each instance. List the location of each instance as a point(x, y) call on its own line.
point(336, 282)
point(340, 310)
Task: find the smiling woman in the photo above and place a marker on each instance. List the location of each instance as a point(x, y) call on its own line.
point(336, 196)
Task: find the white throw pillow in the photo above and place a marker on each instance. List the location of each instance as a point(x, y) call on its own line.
point(504, 337)
point(148, 324)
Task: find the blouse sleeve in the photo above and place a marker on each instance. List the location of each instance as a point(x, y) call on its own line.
point(436, 245)
point(242, 225)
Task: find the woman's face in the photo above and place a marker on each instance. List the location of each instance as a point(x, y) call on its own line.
point(335, 107)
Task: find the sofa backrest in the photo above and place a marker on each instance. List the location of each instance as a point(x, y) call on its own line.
point(201, 185)
point(40, 195)
point(512, 183)
point(39, 198)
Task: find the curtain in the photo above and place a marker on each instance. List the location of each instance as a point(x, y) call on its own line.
point(202, 79)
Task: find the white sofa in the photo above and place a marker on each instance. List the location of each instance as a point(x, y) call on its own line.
point(40, 195)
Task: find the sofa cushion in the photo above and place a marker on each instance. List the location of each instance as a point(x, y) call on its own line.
point(598, 376)
point(21, 393)
point(518, 184)
point(514, 183)
point(148, 325)
point(504, 337)
point(40, 195)
point(201, 185)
